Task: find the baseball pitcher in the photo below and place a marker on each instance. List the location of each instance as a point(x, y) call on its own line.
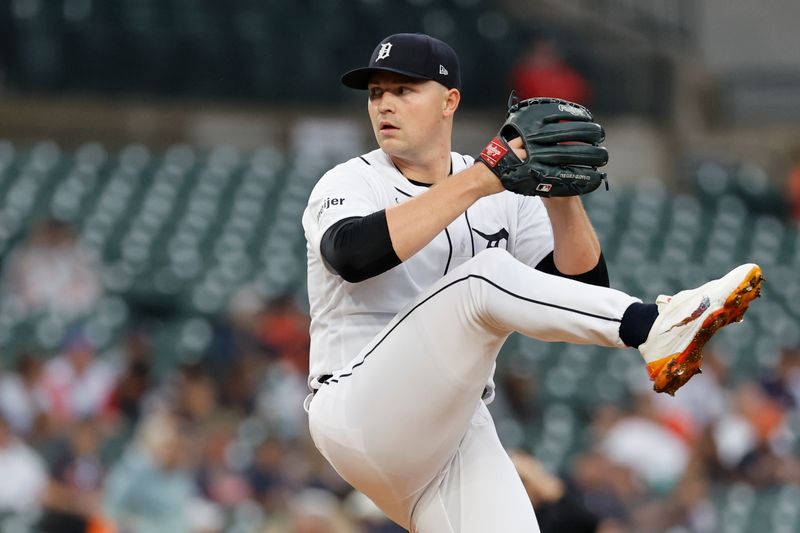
point(421, 263)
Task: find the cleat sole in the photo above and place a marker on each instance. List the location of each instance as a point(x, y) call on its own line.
point(672, 372)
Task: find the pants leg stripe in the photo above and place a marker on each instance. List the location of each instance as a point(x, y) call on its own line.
point(459, 280)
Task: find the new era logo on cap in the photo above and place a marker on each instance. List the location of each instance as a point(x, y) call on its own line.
point(415, 55)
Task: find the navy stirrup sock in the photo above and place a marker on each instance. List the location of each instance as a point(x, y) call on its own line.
point(636, 323)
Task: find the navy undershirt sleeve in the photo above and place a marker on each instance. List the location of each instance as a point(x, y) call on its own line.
point(596, 276)
point(359, 248)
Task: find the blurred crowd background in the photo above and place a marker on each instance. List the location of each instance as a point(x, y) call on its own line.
point(156, 156)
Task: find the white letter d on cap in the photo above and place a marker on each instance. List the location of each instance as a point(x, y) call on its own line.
point(383, 53)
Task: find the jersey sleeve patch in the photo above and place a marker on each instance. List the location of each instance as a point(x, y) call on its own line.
point(340, 193)
point(328, 202)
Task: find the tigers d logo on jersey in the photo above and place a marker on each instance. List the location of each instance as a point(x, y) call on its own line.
point(493, 240)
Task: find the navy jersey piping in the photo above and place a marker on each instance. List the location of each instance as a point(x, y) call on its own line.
point(447, 234)
point(469, 227)
point(450, 251)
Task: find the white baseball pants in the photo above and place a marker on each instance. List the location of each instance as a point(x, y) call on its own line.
point(404, 423)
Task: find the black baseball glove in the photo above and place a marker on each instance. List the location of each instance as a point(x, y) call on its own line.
point(562, 144)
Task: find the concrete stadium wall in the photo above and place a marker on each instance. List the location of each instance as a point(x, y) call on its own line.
point(743, 34)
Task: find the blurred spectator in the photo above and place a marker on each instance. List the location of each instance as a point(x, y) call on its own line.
point(542, 71)
point(519, 389)
point(50, 271)
point(22, 400)
point(24, 474)
point(240, 382)
point(196, 398)
point(733, 436)
point(641, 442)
point(752, 441)
point(283, 328)
point(128, 396)
point(72, 501)
point(314, 510)
point(266, 476)
point(220, 474)
point(691, 506)
point(280, 400)
point(243, 318)
point(150, 489)
point(609, 490)
point(701, 403)
point(558, 508)
point(793, 187)
point(136, 385)
point(783, 383)
point(77, 383)
point(367, 516)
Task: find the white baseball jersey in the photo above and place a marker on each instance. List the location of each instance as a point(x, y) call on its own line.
point(346, 316)
point(407, 353)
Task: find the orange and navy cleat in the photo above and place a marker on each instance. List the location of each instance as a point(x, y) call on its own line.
point(687, 320)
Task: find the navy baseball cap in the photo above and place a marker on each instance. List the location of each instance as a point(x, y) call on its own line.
point(411, 54)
